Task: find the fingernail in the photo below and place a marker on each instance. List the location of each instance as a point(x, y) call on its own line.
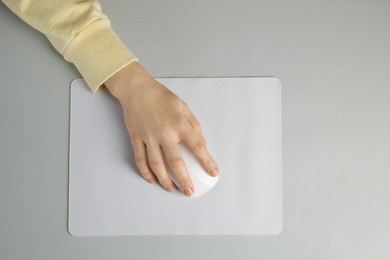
point(213, 171)
point(170, 188)
point(188, 191)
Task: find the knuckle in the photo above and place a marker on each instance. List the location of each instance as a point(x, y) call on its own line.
point(179, 120)
point(187, 108)
point(140, 162)
point(163, 128)
point(175, 162)
point(165, 132)
point(134, 136)
point(148, 139)
point(155, 165)
point(197, 127)
point(198, 147)
point(185, 105)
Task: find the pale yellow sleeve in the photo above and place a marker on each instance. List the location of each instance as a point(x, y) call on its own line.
point(81, 32)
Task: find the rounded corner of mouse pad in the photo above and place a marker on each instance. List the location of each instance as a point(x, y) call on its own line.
point(247, 198)
point(77, 82)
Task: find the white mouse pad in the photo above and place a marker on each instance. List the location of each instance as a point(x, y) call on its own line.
point(241, 120)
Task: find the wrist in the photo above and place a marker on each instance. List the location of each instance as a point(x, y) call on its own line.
point(125, 83)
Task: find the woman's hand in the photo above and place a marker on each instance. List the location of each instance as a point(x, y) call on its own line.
point(157, 120)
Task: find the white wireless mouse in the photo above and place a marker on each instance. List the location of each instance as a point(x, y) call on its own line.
point(202, 181)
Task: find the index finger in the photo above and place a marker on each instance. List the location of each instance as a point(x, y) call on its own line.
point(199, 148)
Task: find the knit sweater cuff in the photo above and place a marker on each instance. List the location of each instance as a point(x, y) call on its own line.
point(98, 53)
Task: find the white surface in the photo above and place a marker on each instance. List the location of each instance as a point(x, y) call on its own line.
point(241, 119)
point(335, 109)
point(202, 182)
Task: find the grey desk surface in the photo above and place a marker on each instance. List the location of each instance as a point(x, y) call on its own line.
point(333, 58)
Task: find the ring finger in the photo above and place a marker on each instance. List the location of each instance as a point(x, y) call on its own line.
point(157, 165)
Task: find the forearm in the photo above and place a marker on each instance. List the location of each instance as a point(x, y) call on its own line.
point(81, 32)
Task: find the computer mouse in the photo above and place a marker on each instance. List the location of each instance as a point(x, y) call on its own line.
point(202, 181)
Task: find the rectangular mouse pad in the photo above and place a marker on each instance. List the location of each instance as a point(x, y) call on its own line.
point(241, 120)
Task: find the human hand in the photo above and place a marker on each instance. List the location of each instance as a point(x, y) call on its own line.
point(157, 120)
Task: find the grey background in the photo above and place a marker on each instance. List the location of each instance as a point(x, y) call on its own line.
point(333, 58)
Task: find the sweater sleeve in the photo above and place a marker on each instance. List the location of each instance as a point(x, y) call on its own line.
point(81, 32)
